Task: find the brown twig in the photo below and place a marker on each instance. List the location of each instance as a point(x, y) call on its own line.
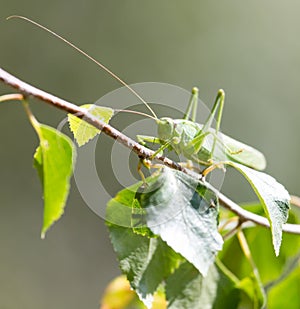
point(295, 200)
point(143, 152)
point(246, 215)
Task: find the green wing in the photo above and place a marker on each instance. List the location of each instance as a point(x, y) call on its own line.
point(230, 149)
point(239, 152)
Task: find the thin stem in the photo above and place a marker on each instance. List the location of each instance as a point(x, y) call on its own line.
point(247, 252)
point(226, 271)
point(233, 231)
point(295, 200)
point(11, 97)
point(31, 117)
point(246, 215)
point(227, 222)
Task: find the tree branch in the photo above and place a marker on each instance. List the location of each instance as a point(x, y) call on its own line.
point(246, 215)
point(143, 152)
point(30, 91)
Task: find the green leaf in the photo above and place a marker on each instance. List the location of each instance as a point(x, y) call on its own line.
point(184, 213)
point(254, 292)
point(186, 288)
point(54, 160)
point(38, 163)
point(83, 131)
point(274, 198)
point(145, 261)
point(125, 210)
point(286, 293)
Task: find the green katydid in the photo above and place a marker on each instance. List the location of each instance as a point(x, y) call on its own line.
point(185, 136)
point(188, 138)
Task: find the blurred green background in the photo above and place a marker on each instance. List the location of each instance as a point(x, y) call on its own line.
point(250, 49)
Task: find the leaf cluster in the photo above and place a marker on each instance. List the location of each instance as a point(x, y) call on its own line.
point(170, 235)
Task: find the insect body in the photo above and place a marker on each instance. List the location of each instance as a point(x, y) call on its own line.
point(201, 143)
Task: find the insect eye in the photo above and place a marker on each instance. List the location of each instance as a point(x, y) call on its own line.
point(165, 128)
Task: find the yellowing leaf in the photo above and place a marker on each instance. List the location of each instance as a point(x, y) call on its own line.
point(119, 295)
point(83, 131)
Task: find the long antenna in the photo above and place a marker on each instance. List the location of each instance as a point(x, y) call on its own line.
point(102, 66)
point(132, 112)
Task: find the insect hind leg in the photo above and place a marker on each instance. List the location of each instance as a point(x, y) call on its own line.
point(191, 111)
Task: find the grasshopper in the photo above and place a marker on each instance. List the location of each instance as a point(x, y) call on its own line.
point(190, 139)
point(185, 136)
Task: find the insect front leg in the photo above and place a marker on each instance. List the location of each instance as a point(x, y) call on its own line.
point(144, 139)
